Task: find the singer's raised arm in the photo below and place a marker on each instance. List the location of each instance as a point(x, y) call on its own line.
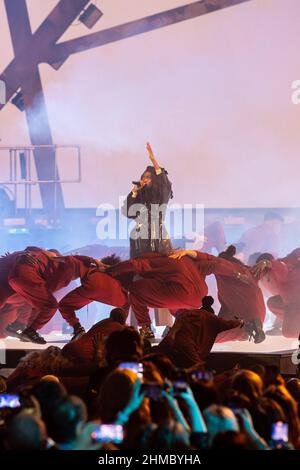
point(156, 165)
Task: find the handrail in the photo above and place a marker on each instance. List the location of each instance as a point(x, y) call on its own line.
point(15, 171)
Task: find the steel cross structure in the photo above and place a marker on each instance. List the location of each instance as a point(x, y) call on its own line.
point(31, 49)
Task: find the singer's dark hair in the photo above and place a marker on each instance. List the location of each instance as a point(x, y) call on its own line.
point(160, 190)
point(111, 260)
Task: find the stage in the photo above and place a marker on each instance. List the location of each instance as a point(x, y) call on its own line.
point(275, 350)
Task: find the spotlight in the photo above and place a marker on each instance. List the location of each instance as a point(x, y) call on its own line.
point(90, 16)
point(18, 101)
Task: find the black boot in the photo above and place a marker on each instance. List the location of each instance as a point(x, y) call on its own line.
point(15, 329)
point(32, 336)
point(78, 332)
point(255, 330)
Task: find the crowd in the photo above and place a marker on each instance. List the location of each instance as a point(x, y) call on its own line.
point(111, 390)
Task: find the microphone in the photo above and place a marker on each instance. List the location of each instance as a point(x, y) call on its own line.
point(136, 183)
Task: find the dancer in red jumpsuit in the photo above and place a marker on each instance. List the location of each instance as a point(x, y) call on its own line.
point(91, 346)
point(14, 316)
point(7, 262)
point(37, 276)
point(193, 334)
point(174, 282)
point(281, 278)
point(95, 286)
point(242, 300)
point(13, 305)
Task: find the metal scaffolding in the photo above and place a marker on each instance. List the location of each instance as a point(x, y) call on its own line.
point(20, 165)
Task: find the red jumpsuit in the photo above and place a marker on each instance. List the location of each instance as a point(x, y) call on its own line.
point(193, 335)
point(36, 282)
point(90, 347)
point(241, 300)
point(96, 286)
point(6, 264)
point(282, 280)
point(170, 283)
point(14, 308)
point(11, 304)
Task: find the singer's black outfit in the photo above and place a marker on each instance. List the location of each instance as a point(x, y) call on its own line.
point(158, 193)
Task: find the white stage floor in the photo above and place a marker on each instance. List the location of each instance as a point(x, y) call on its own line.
point(53, 339)
point(271, 343)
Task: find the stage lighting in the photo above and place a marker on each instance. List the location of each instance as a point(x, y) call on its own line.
point(18, 101)
point(90, 16)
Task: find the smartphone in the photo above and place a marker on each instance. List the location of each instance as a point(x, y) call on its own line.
point(9, 401)
point(279, 433)
point(152, 390)
point(179, 386)
point(202, 375)
point(136, 367)
point(107, 433)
